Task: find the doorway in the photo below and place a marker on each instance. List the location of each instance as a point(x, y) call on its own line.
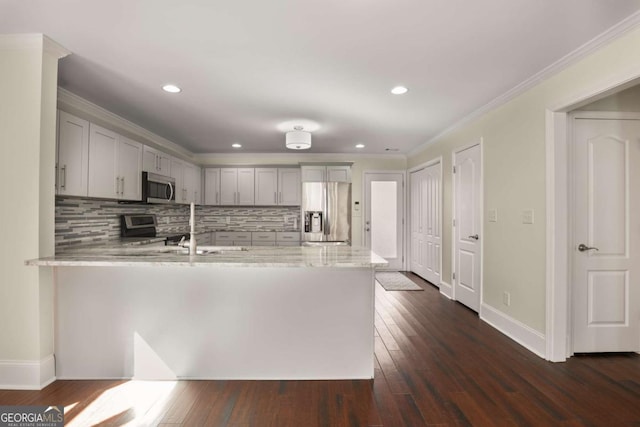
point(425, 186)
point(467, 256)
point(384, 216)
point(605, 292)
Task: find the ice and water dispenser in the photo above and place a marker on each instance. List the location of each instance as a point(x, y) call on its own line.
point(313, 221)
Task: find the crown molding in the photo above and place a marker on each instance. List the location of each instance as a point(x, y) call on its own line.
point(72, 101)
point(621, 28)
point(54, 48)
point(204, 157)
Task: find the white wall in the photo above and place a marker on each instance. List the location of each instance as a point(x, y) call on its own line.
point(514, 171)
point(28, 80)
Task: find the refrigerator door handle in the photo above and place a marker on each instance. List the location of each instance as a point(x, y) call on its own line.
point(327, 213)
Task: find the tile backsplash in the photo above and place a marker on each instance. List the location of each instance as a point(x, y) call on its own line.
point(80, 221)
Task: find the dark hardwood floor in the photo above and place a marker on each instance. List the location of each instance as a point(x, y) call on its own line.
point(437, 364)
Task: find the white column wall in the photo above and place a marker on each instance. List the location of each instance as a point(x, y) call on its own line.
point(28, 83)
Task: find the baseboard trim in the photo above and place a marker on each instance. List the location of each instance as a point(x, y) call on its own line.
point(446, 289)
point(27, 374)
point(527, 337)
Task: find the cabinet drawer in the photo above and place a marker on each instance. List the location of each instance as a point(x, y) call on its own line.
point(263, 236)
point(258, 243)
point(233, 235)
point(288, 236)
point(223, 242)
point(288, 243)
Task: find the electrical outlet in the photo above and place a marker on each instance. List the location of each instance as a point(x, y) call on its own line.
point(228, 220)
point(506, 299)
point(493, 215)
point(527, 216)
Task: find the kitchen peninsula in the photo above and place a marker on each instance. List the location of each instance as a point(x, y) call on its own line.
point(256, 313)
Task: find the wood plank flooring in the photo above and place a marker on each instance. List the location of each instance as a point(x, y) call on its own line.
point(437, 364)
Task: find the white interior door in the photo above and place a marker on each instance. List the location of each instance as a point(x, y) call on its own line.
point(384, 217)
point(605, 291)
point(426, 223)
point(467, 226)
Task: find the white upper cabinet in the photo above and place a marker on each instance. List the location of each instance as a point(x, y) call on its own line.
point(177, 173)
point(115, 165)
point(130, 169)
point(190, 181)
point(289, 187)
point(245, 186)
point(314, 173)
point(339, 173)
point(328, 173)
point(104, 181)
point(156, 161)
point(266, 186)
point(236, 186)
point(72, 155)
point(212, 186)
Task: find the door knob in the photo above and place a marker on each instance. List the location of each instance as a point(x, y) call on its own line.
point(582, 248)
point(474, 237)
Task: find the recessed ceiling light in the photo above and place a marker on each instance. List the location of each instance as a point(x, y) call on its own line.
point(236, 145)
point(399, 90)
point(171, 88)
point(359, 145)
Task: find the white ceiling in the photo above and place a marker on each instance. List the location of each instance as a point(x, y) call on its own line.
point(246, 66)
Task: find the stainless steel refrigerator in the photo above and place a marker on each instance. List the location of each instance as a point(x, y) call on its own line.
point(326, 213)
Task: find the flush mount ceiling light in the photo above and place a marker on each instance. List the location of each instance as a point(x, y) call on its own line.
point(399, 90)
point(298, 139)
point(171, 88)
point(236, 145)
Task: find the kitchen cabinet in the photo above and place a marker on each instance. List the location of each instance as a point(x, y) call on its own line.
point(266, 186)
point(72, 156)
point(187, 178)
point(287, 238)
point(277, 186)
point(326, 173)
point(237, 186)
point(212, 186)
point(115, 165)
point(263, 238)
point(155, 161)
point(233, 238)
point(289, 187)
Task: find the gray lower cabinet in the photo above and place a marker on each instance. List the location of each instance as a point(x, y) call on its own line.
point(263, 238)
point(287, 238)
point(232, 238)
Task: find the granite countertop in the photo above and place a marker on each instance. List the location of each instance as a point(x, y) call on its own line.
point(218, 256)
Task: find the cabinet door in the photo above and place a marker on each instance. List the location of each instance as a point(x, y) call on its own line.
point(130, 169)
point(72, 155)
point(177, 173)
point(266, 186)
point(198, 185)
point(189, 183)
point(228, 186)
point(212, 186)
point(289, 187)
point(150, 160)
point(245, 186)
point(103, 162)
point(314, 173)
point(339, 173)
point(164, 164)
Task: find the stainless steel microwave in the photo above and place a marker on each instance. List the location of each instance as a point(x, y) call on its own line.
point(158, 188)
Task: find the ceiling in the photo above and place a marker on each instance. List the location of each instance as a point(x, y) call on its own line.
point(248, 66)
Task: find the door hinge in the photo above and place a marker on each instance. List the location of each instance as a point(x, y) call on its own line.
point(454, 169)
point(454, 276)
point(454, 222)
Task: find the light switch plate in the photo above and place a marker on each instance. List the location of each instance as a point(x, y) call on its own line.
point(527, 216)
point(493, 215)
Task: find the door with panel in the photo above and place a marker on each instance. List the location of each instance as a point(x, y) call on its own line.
point(266, 186)
point(212, 186)
point(417, 234)
point(130, 169)
point(467, 227)
point(606, 255)
point(103, 163)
